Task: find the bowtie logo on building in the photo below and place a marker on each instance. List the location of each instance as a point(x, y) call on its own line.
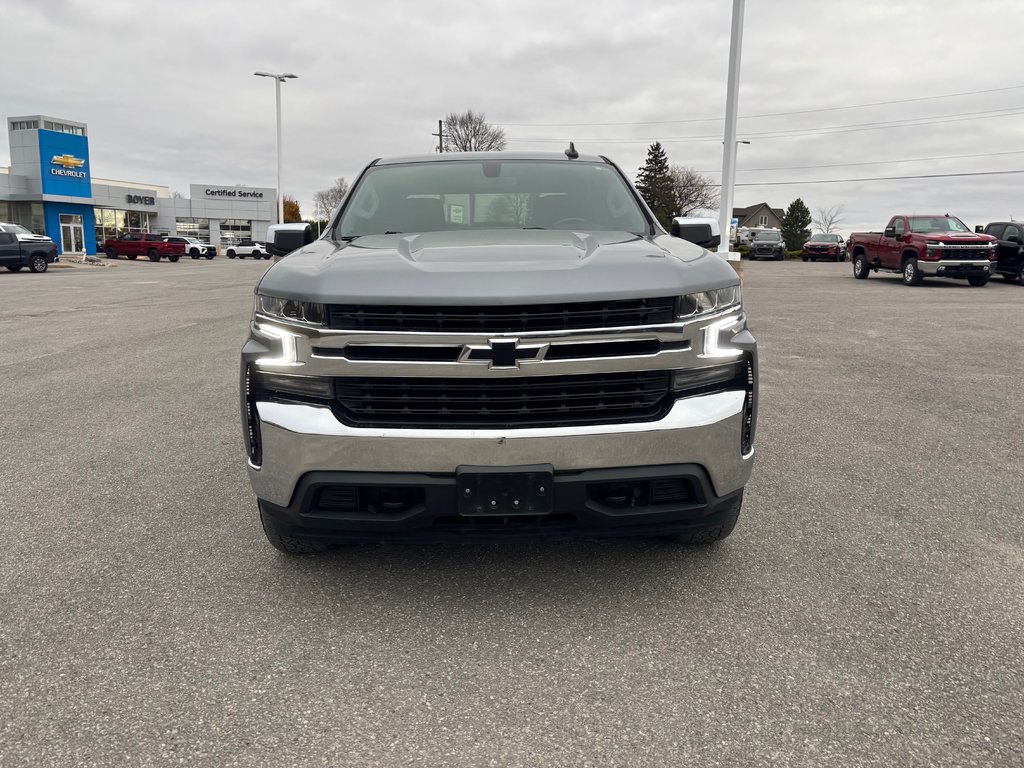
point(67, 161)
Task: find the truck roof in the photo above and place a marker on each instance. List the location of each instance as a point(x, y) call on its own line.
point(449, 156)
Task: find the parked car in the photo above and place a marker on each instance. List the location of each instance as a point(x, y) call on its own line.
point(416, 373)
point(767, 244)
point(19, 247)
point(822, 246)
point(135, 244)
point(924, 246)
point(194, 247)
point(1009, 249)
point(244, 248)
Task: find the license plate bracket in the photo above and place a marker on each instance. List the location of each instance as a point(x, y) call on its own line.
point(505, 491)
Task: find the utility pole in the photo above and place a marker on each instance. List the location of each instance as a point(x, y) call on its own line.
point(440, 136)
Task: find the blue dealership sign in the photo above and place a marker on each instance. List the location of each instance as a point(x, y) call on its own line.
point(64, 158)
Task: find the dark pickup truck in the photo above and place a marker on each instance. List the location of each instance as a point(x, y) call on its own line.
point(20, 248)
point(924, 246)
point(135, 244)
point(1009, 248)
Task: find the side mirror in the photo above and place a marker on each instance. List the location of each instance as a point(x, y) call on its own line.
point(282, 239)
point(889, 232)
point(979, 228)
point(699, 234)
point(1015, 239)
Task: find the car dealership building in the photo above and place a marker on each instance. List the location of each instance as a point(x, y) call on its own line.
point(50, 189)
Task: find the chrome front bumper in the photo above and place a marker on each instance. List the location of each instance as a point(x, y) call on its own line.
point(298, 439)
point(958, 267)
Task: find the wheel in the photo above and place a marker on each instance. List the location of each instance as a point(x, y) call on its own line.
point(861, 268)
point(256, 254)
point(1011, 278)
point(804, 258)
point(911, 274)
point(15, 267)
point(290, 545)
point(37, 263)
point(266, 255)
point(696, 537)
point(111, 252)
point(208, 256)
point(173, 258)
point(132, 256)
point(231, 254)
point(194, 253)
point(153, 254)
point(978, 281)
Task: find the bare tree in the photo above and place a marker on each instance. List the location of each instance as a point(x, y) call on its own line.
point(470, 132)
point(326, 200)
point(691, 191)
point(829, 219)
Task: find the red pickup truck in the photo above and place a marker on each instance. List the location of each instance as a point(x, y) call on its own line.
point(135, 244)
point(924, 246)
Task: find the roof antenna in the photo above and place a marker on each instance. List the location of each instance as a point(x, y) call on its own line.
point(571, 152)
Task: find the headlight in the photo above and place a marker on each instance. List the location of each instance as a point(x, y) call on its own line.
point(291, 310)
point(693, 304)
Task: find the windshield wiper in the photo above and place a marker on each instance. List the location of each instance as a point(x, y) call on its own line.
point(349, 238)
point(392, 232)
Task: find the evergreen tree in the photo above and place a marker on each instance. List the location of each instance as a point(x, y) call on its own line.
point(655, 185)
point(796, 225)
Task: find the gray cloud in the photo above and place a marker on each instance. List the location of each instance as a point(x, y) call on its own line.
point(168, 91)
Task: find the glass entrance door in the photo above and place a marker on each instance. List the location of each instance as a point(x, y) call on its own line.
point(72, 233)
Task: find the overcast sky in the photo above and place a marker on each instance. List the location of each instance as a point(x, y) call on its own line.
point(168, 91)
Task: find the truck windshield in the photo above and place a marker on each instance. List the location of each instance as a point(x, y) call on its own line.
point(490, 194)
point(771, 237)
point(937, 224)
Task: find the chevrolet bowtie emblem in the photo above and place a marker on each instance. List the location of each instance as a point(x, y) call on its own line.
point(67, 161)
point(502, 353)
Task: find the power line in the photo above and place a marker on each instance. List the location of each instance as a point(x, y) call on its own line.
point(800, 132)
point(873, 162)
point(874, 178)
point(771, 114)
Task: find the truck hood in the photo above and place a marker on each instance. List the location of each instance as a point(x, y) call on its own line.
point(33, 239)
point(956, 237)
point(495, 267)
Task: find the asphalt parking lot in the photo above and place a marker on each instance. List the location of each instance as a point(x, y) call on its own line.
point(867, 611)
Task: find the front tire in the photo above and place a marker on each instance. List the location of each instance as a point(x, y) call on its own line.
point(977, 282)
point(111, 253)
point(38, 264)
point(290, 545)
point(15, 267)
point(231, 254)
point(804, 258)
point(132, 256)
point(194, 253)
point(700, 537)
point(153, 254)
point(172, 259)
point(911, 274)
point(208, 256)
point(861, 268)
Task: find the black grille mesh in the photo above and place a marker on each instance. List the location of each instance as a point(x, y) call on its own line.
point(450, 403)
point(502, 319)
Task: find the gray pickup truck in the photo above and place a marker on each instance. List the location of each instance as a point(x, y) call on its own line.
point(19, 247)
point(496, 345)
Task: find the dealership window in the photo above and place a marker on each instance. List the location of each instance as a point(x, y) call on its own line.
point(236, 229)
point(112, 223)
point(24, 125)
point(49, 125)
point(192, 227)
point(28, 215)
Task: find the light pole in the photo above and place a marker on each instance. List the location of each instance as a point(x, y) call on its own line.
point(729, 149)
point(278, 79)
